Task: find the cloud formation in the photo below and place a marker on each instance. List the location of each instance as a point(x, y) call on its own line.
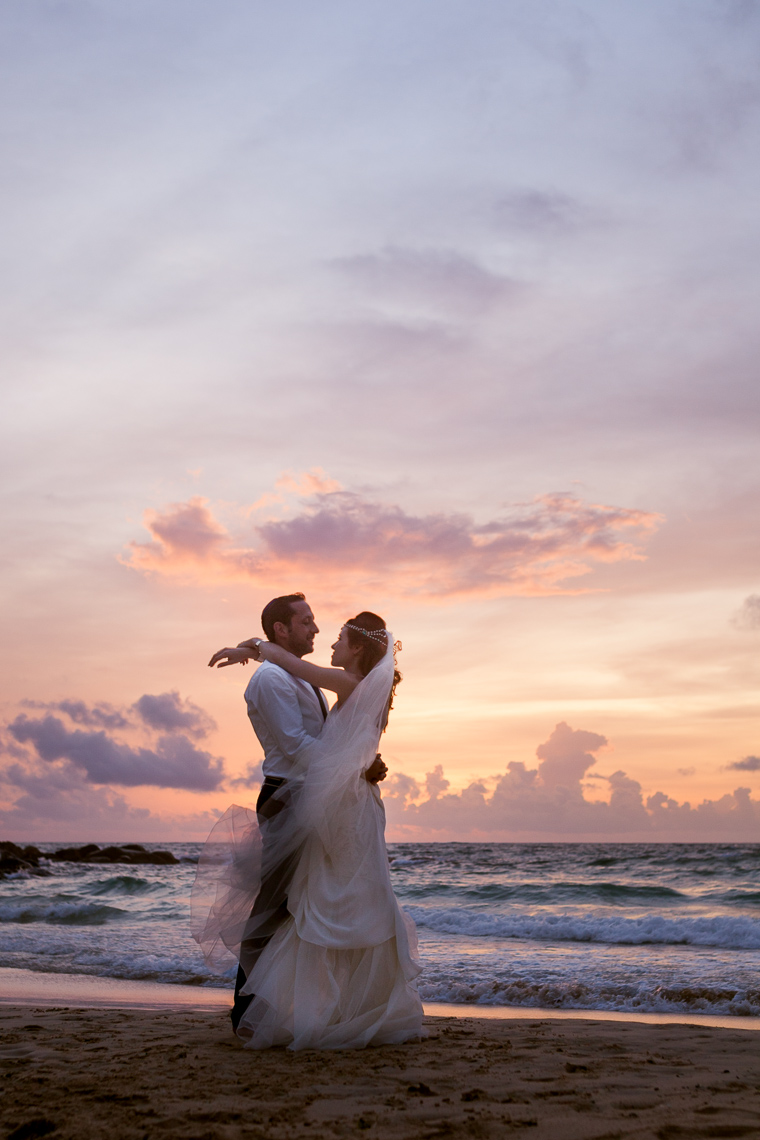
point(57, 801)
point(748, 764)
point(534, 548)
point(55, 756)
point(541, 211)
point(61, 794)
point(550, 802)
point(100, 715)
point(167, 712)
point(748, 615)
point(437, 279)
point(162, 712)
point(254, 774)
point(174, 762)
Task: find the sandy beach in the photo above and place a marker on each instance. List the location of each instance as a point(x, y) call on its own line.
point(84, 1073)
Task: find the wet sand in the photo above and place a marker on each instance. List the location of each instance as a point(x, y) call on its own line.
point(111, 1073)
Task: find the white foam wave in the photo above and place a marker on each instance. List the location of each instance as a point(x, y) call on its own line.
point(179, 969)
point(728, 932)
point(642, 998)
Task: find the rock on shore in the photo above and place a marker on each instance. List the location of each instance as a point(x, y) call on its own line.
point(14, 858)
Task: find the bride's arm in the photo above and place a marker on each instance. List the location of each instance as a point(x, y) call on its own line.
point(336, 680)
point(236, 656)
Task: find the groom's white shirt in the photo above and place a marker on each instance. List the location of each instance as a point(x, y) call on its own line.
point(285, 714)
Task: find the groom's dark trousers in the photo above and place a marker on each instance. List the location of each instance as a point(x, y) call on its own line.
point(272, 897)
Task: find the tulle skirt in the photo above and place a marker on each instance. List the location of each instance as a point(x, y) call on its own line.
point(317, 997)
point(340, 970)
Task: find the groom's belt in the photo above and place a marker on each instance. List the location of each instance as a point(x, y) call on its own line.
point(274, 781)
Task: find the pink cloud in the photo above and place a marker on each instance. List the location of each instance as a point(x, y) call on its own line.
point(312, 482)
point(100, 715)
point(748, 616)
point(60, 804)
point(168, 712)
point(173, 761)
point(55, 780)
point(183, 533)
point(533, 548)
point(549, 802)
point(747, 764)
point(567, 755)
point(52, 753)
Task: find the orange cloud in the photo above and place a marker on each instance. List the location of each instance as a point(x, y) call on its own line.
point(184, 532)
point(313, 482)
point(535, 548)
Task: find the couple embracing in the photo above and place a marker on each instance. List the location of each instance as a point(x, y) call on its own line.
point(299, 891)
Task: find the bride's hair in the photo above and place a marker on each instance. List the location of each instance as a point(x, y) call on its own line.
point(367, 632)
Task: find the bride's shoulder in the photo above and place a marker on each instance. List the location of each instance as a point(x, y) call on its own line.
point(348, 697)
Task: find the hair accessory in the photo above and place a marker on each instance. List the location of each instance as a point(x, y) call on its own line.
point(380, 635)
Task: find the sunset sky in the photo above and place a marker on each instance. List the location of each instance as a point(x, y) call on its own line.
point(441, 308)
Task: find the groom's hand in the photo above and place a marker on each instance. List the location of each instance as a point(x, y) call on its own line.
point(235, 656)
point(377, 770)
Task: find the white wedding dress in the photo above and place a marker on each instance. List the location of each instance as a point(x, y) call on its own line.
point(339, 973)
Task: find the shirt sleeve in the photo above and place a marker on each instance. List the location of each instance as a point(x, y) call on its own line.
point(277, 705)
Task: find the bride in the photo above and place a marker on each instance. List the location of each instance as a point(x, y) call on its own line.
point(340, 972)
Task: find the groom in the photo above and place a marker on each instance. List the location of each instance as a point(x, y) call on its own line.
point(287, 714)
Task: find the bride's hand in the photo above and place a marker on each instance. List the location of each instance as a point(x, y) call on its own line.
point(236, 656)
point(377, 770)
point(259, 649)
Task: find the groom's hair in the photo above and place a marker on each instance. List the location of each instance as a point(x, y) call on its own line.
point(279, 609)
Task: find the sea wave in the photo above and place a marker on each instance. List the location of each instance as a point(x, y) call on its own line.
point(739, 933)
point(548, 894)
point(124, 885)
point(60, 913)
point(616, 927)
point(742, 897)
point(642, 998)
point(179, 969)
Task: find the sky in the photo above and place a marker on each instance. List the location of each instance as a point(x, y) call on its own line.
point(445, 309)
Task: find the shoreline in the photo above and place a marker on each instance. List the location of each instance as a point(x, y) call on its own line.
point(19, 987)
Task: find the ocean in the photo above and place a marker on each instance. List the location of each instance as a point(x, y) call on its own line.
point(657, 928)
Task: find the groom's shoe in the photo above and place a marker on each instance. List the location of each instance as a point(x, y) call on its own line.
point(241, 1002)
point(238, 1009)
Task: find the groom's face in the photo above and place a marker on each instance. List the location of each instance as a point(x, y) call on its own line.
point(298, 637)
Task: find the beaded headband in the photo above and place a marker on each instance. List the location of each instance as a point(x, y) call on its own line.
point(380, 635)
